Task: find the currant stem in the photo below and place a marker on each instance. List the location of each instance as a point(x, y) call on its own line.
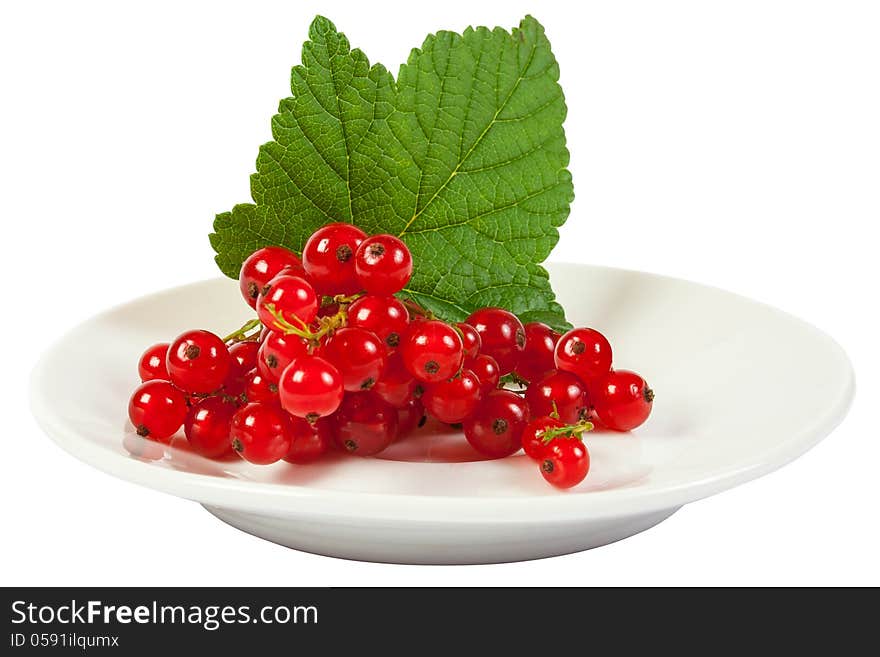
point(416, 309)
point(344, 300)
point(241, 334)
point(569, 431)
point(327, 325)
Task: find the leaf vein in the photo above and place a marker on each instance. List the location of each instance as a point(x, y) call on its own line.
point(475, 144)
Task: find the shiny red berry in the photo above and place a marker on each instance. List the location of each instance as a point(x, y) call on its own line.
point(233, 389)
point(328, 258)
point(470, 339)
point(358, 354)
point(502, 334)
point(310, 387)
point(486, 370)
point(453, 400)
point(533, 435)
point(383, 264)
point(495, 429)
point(537, 360)
point(152, 363)
point(259, 388)
point(259, 433)
point(432, 351)
point(584, 352)
point(365, 424)
point(622, 400)
point(287, 301)
point(562, 393)
point(385, 316)
point(395, 384)
point(566, 462)
point(262, 266)
point(207, 426)
point(244, 359)
point(157, 410)
point(309, 441)
point(278, 351)
point(198, 362)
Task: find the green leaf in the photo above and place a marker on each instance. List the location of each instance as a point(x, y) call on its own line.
point(463, 157)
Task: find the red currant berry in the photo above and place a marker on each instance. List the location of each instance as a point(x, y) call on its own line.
point(486, 370)
point(622, 400)
point(294, 270)
point(358, 354)
point(566, 462)
point(157, 409)
point(233, 390)
point(383, 264)
point(259, 433)
point(262, 266)
point(470, 339)
point(207, 426)
point(310, 387)
point(503, 336)
point(244, 359)
point(537, 361)
point(278, 351)
point(585, 353)
point(495, 429)
point(561, 393)
point(410, 417)
point(259, 388)
point(198, 362)
point(385, 316)
point(152, 363)
point(395, 384)
point(287, 301)
point(432, 351)
point(365, 424)
point(453, 400)
point(328, 258)
point(309, 441)
point(533, 435)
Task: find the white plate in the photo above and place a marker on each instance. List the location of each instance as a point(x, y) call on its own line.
point(741, 389)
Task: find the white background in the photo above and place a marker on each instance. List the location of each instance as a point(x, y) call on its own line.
point(737, 144)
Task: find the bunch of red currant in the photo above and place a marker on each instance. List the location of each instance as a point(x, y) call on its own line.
point(335, 360)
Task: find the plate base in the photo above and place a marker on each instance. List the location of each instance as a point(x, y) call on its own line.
point(431, 544)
